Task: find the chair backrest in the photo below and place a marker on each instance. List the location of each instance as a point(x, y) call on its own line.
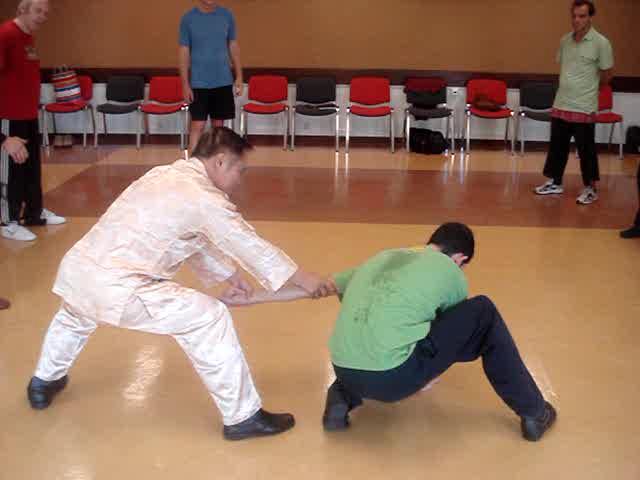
point(268, 88)
point(494, 90)
point(537, 95)
point(166, 89)
point(316, 90)
point(86, 87)
point(125, 88)
point(426, 91)
point(370, 90)
point(605, 98)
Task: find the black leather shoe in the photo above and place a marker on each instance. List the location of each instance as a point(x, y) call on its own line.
point(633, 232)
point(534, 428)
point(337, 408)
point(261, 424)
point(41, 392)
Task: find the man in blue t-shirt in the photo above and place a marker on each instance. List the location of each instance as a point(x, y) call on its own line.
point(208, 49)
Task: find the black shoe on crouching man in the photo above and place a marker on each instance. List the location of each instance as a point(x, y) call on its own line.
point(337, 407)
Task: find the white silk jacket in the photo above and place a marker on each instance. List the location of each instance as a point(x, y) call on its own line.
point(171, 215)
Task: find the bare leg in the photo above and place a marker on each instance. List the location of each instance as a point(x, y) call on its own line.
point(195, 130)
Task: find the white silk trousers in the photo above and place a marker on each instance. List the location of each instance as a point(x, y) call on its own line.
point(201, 325)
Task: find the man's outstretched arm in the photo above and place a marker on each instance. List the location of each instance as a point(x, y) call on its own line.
point(288, 293)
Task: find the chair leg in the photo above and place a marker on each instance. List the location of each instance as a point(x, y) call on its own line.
point(145, 127)
point(347, 133)
point(53, 122)
point(513, 134)
point(447, 131)
point(285, 128)
point(520, 131)
point(467, 132)
point(613, 125)
point(84, 130)
point(93, 120)
point(140, 128)
point(392, 133)
point(293, 130)
point(621, 143)
point(337, 131)
point(453, 133)
point(407, 129)
point(181, 133)
point(185, 119)
point(506, 131)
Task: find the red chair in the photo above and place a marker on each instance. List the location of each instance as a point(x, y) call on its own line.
point(165, 98)
point(494, 91)
point(606, 116)
point(82, 105)
point(272, 93)
point(367, 98)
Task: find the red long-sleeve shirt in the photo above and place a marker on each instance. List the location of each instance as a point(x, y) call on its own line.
point(19, 74)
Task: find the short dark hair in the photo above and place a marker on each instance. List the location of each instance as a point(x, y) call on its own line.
point(220, 140)
point(454, 238)
point(580, 3)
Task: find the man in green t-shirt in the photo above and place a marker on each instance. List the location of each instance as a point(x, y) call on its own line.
point(586, 62)
point(405, 319)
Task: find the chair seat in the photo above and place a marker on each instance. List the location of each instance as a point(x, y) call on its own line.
point(261, 109)
point(66, 107)
point(317, 110)
point(502, 113)
point(538, 116)
point(608, 117)
point(161, 109)
point(370, 111)
point(424, 113)
point(116, 109)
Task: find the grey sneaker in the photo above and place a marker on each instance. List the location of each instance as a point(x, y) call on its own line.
point(549, 188)
point(588, 195)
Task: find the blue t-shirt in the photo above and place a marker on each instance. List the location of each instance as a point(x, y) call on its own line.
point(208, 35)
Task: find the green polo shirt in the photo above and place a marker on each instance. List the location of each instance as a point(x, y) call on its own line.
point(580, 66)
point(388, 304)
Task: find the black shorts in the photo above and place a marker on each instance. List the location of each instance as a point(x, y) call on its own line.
point(217, 103)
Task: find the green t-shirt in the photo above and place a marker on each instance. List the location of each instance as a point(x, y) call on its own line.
point(388, 304)
point(580, 66)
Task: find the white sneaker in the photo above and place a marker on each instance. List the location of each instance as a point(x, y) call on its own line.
point(588, 195)
point(51, 218)
point(13, 231)
point(549, 188)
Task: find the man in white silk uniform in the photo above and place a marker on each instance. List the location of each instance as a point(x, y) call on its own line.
point(120, 274)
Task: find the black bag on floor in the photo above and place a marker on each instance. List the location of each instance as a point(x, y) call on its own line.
point(423, 140)
point(632, 144)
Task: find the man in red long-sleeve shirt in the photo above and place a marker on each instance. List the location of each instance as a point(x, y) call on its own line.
point(19, 100)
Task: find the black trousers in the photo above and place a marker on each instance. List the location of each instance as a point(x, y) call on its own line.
point(585, 137)
point(473, 329)
point(637, 221)
point(22, 183)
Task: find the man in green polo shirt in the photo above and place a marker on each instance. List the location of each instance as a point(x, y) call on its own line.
point(586, 62)
point(405, 319)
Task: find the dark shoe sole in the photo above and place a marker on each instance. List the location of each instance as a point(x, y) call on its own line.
point(337, 418)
